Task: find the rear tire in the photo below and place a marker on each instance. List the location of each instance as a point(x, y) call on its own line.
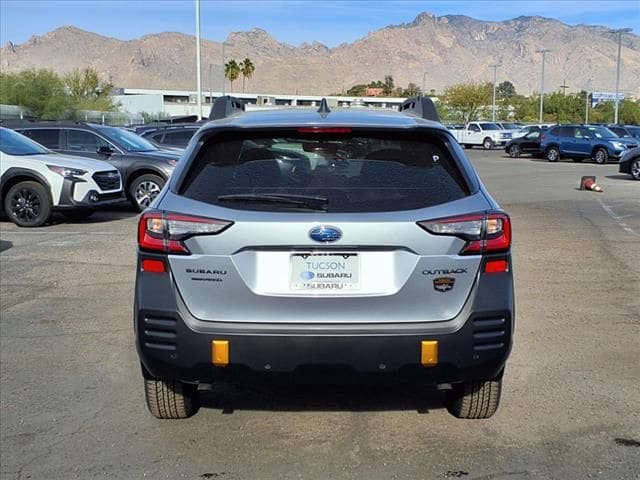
point(487, 144)
point(600, 156)
point(552, 154)
point(170, 399)
point(475, 399)
point(28, 204)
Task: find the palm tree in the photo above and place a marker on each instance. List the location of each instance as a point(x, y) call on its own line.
point(246, 68)
point(232, 71)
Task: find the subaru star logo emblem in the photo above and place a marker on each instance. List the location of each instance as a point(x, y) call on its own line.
point(325, 234)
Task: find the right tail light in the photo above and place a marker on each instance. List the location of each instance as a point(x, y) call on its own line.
point(483, 232)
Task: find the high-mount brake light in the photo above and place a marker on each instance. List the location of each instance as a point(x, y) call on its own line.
point(484, 233)
point(165, 232)
point(324, 130)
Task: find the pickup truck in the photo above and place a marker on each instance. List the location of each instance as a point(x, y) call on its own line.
point(487, 134)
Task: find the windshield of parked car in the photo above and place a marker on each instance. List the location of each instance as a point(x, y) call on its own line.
point(510, 126)
point(601, 132)
point(635, 131)
point(490, 126)
point(126, 139)
point(621, 132)
point(364, 172)
point(13, 143)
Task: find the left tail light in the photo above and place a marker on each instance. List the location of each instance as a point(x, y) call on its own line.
point(483, 232)
point(165, 232)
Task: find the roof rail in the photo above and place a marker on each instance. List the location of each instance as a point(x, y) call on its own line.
point(420, 106)
point(226, 106)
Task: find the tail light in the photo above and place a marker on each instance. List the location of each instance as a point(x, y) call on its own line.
point(483, 232)
point(543, 137)
point(165, 232)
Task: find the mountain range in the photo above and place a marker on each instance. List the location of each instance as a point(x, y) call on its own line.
point(439, 50)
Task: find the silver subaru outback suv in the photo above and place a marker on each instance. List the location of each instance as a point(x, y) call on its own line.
point(344, 245)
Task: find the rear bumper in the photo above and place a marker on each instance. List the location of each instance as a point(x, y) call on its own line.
point(172, 344)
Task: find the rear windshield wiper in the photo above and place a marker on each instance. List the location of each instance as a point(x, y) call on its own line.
point(301, 201)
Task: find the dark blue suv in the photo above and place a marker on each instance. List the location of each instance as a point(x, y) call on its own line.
point(584, 141)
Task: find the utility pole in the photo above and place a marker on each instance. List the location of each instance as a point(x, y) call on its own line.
point(619, 32)
point(586, 103)
point(424, 76)
point(493, 105)
point(211, 83)
point(564, 87)
point(223, 70)
point(198, 65)
point(544, 52)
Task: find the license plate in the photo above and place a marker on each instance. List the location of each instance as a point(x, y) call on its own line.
point(326, 272)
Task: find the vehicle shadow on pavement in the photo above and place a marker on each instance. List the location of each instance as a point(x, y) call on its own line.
point(5, 245)
point(299, 398)
point(622, 176)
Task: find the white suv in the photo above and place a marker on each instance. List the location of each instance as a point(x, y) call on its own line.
point(35, 181)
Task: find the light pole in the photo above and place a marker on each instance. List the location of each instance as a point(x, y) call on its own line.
point(493, 104)
point(544, 52)
point(223, 69)
point(619, 32)
point(586, 103)
point(198, 65)
point(211, 83)
point(424, 76)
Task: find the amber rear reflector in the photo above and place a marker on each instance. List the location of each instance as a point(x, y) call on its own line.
point(429, 353)
point(155, 266)
point(496, 266)
point(220, 353)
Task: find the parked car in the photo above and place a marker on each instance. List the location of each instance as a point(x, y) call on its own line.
point(530, 128)
point(172, 135)
point(625, 131)
point(143, 167)
point(630, 163)
point(510, 127)
point(386, 259)
point(35, 182)
point(530, 143)
point(486, 134)
point(584, 141)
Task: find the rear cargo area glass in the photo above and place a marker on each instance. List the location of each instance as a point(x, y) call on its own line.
point(354, 172)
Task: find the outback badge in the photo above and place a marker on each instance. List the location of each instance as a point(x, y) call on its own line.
point(443, 284)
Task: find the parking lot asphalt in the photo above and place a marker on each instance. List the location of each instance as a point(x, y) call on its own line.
point(71, 395)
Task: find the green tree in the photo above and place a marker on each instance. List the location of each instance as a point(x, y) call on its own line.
point(87, 91)
point(468, 98)
point(41, 91)
point(246, 68)
point(357, 90)
point(388, 85)
point(505, 89)
point(231, 71)
point(412, 90)
point(629, 112)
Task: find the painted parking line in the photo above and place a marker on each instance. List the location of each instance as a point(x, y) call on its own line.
point(619, 219)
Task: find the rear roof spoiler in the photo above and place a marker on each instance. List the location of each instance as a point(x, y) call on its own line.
point(226, 106)
point(422, 107)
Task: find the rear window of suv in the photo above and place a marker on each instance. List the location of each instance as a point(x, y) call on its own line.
point(351, 172)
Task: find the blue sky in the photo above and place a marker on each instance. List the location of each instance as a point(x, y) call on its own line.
point(291, 21)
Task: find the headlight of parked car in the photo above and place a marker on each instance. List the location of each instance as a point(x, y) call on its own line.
point(618, 145)
point(67, 172)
